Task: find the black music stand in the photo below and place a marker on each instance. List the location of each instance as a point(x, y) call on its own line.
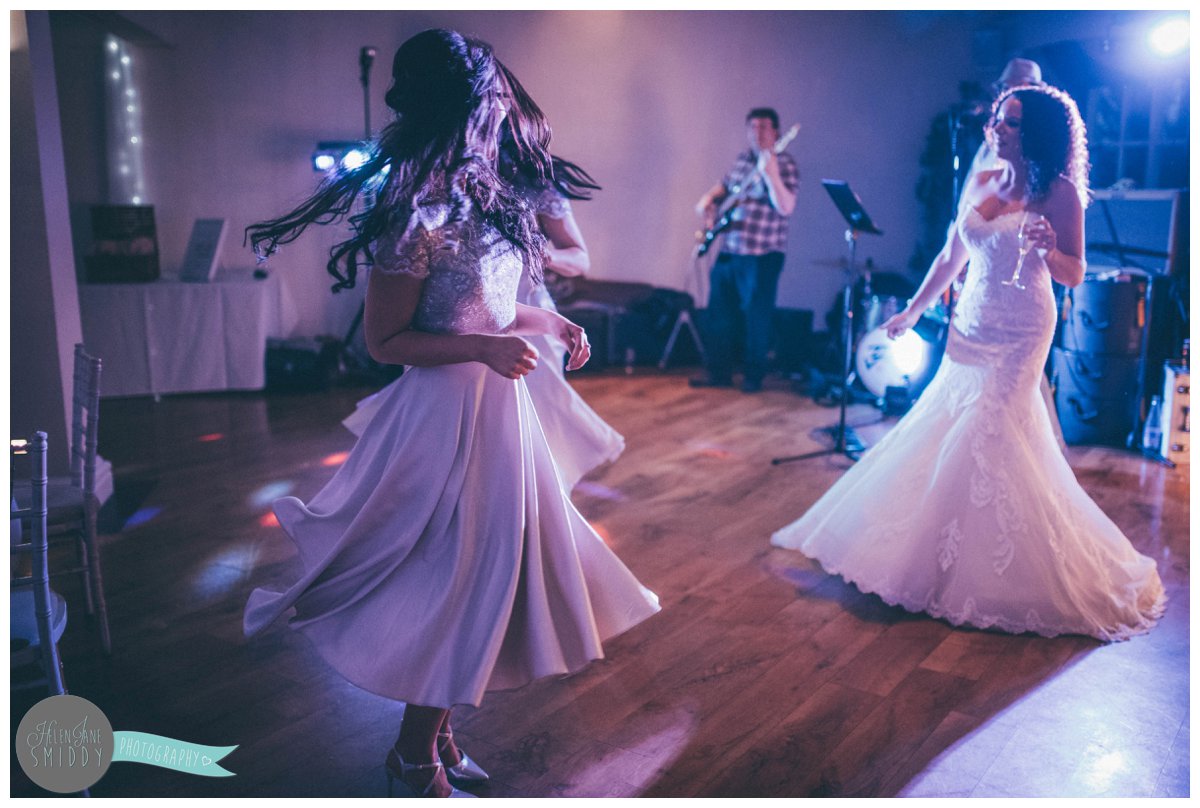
point(850, 206)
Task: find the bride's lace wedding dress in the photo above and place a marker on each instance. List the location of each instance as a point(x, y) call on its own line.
point(967, 509)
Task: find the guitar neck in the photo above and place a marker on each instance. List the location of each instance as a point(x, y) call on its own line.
point(723, 217)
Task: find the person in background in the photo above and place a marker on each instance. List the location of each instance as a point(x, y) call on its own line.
point(579, 438)
point(760, 190)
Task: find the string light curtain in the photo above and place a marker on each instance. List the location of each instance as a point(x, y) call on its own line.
point(126, 175)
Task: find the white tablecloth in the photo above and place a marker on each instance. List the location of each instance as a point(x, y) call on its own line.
point(175, 337)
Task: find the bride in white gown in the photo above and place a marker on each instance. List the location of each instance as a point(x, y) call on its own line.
point(967, 509)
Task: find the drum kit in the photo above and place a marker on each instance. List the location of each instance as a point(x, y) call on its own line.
point(907, 363)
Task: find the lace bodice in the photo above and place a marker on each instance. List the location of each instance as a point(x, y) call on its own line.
point(471, 271)
point(986, 303)
point(997, 325)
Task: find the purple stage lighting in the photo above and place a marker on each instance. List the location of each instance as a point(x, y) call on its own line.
point(1170, 37)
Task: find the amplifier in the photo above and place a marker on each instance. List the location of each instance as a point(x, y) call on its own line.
point(1176, 413)
point(302, 364)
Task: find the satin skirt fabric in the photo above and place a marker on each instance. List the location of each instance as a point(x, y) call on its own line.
point(580, 440)
point(444, 558)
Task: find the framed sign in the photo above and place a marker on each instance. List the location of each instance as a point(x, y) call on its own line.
point(203, 251)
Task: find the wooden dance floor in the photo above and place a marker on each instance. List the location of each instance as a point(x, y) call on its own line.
point(762, 676)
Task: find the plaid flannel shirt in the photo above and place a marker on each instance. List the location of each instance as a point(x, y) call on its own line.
point(757, 228)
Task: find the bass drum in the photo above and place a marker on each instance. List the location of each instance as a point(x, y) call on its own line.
point(909, 361)
point(878, 309)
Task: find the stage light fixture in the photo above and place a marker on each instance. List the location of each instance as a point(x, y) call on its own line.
point(329, 154)
point(353, 159)
point(1170, 37)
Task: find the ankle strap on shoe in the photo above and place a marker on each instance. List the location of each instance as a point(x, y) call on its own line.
point(407, 767)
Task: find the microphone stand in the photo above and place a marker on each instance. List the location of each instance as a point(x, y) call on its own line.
point(845, 441)
point(366, 58)
point(958, 112)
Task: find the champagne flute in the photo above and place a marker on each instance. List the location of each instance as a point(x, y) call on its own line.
point(1024, 246)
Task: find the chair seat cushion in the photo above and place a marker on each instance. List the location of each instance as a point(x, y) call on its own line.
point(64, 502)
point(23, 622)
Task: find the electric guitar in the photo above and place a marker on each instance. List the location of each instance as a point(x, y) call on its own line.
point(724, 217)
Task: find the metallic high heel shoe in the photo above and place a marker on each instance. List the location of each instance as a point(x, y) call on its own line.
point(397, 769)
point(466, 770)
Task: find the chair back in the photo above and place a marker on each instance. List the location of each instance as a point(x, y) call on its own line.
point(85, 420)
point(39, 580)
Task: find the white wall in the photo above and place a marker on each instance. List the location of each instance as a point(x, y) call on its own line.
point(44, 302)
point(652, 103)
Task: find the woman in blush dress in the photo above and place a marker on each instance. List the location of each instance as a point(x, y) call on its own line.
point(444, 558)
point(967, 509)
point(579, 438)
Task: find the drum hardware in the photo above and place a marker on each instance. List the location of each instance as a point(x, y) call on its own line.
point(896, 401)
point(850, 206)
point(684, 322)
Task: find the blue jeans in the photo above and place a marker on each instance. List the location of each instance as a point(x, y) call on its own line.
point(741, 302)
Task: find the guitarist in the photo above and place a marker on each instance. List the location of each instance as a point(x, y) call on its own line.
point(758, 195)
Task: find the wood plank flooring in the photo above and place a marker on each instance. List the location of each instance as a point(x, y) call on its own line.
point(762, 676)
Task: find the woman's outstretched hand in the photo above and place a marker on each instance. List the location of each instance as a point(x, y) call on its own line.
point(512, 357)
point(898, 323)
point(575, 338)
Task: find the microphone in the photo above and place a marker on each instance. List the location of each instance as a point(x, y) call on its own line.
point(366, 57)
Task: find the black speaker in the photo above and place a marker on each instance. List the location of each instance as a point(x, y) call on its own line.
point(1098, 397)
point(1106, 315)
point(792, 339)
point(301, 365)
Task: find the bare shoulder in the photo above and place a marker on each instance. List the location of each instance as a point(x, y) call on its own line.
point(1064, 195)
point(981, 185)
point(1062, 203)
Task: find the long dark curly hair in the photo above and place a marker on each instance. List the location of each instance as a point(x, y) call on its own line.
point(446, 92)
point(523, 166)
point(1053, 138)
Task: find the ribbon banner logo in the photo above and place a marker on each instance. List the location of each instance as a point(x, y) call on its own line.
point(193, 758)
point(65, 744)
